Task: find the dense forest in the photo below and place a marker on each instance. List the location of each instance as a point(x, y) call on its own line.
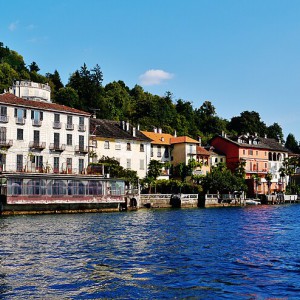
point(116, 101)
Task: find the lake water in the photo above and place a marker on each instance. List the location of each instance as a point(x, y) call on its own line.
point(225, 253)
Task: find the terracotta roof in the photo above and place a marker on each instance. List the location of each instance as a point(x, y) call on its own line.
point(13, 100)
point(114, 129)
point(264, 143)
point(200, 150)
point(183, 139)
point(158, 138)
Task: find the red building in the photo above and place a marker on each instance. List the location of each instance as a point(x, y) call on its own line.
point(261, 156)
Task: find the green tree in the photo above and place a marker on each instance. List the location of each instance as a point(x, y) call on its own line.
point(88, 85)
point(67, 96)
point(7, 76)
point(248, 122)
point(33, 67)
point(55, 83)
point(222, 180)
point(292, 144)
point(154, 169)
point(275, 132)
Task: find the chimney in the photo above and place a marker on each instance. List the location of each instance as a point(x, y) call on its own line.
point(134, 132)
point(266, 136)
point(199, 140)
point(138, 127)
point(155, 130)
point(127, 126)
point(123, 125)
point(159, 130)
point(175, 133)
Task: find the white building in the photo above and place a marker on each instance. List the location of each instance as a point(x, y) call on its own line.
point(31, 90)
point(41, 136)
point(121, 141)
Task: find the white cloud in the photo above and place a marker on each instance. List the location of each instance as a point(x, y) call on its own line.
point(155, 77)
point(13, 26)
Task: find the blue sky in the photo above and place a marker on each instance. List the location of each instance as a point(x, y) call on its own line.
point(238, 54)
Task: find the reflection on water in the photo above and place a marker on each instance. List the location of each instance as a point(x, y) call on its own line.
point(234, 253)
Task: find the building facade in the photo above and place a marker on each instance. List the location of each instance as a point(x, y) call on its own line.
point(41, 136)
point(261, 157)
point(121, 141)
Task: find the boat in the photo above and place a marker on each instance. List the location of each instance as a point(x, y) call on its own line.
point(253, 202)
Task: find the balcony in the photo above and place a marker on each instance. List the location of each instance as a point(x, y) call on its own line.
point(81, 127)
point(81, 149)
point(37, 145)
point(6, 143)
point(70, 126)
point(262, 171)
point(36, 122)
point(57, 147)
point(20, 121)
point(4, 119)
point(56, 125)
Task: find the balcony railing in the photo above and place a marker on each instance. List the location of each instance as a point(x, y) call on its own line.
point(81, 149)
point(69, 126)
point(37, 145)
point(36, 122)
point(4, 119)
point(257, 171)
point(20, 121)
point(57, 125)
point(57, 147)
point(6, 143)
point(81, 127)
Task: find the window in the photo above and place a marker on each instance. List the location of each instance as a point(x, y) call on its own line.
point(56, 117)
point(69, 125)
point(81, 165)
point(20, 134)
point(142, 148)
point(57, 123)
point(151, 151)
point(16, 186)
point(128, 163)
point(69, 139)
point(20, 115)
point(36, 117)
point(19, 162)
point(69, 165)
point(56, 140)
point(81, 142)
point(81, 120)
point(244, 152)
point(56, 164)
point(250, 152)
point(37, 160)
point(128, 147)
point(142, 164)
point(106, 144)
point(256, 152)
point(3, 114)
point(81, 124)
point(166, 152)
point(69, 120)
point(36, 137)
point(158, 151)
point(118, 146)
point(2, 135)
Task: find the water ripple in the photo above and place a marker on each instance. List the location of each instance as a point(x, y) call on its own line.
point(239, 253)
